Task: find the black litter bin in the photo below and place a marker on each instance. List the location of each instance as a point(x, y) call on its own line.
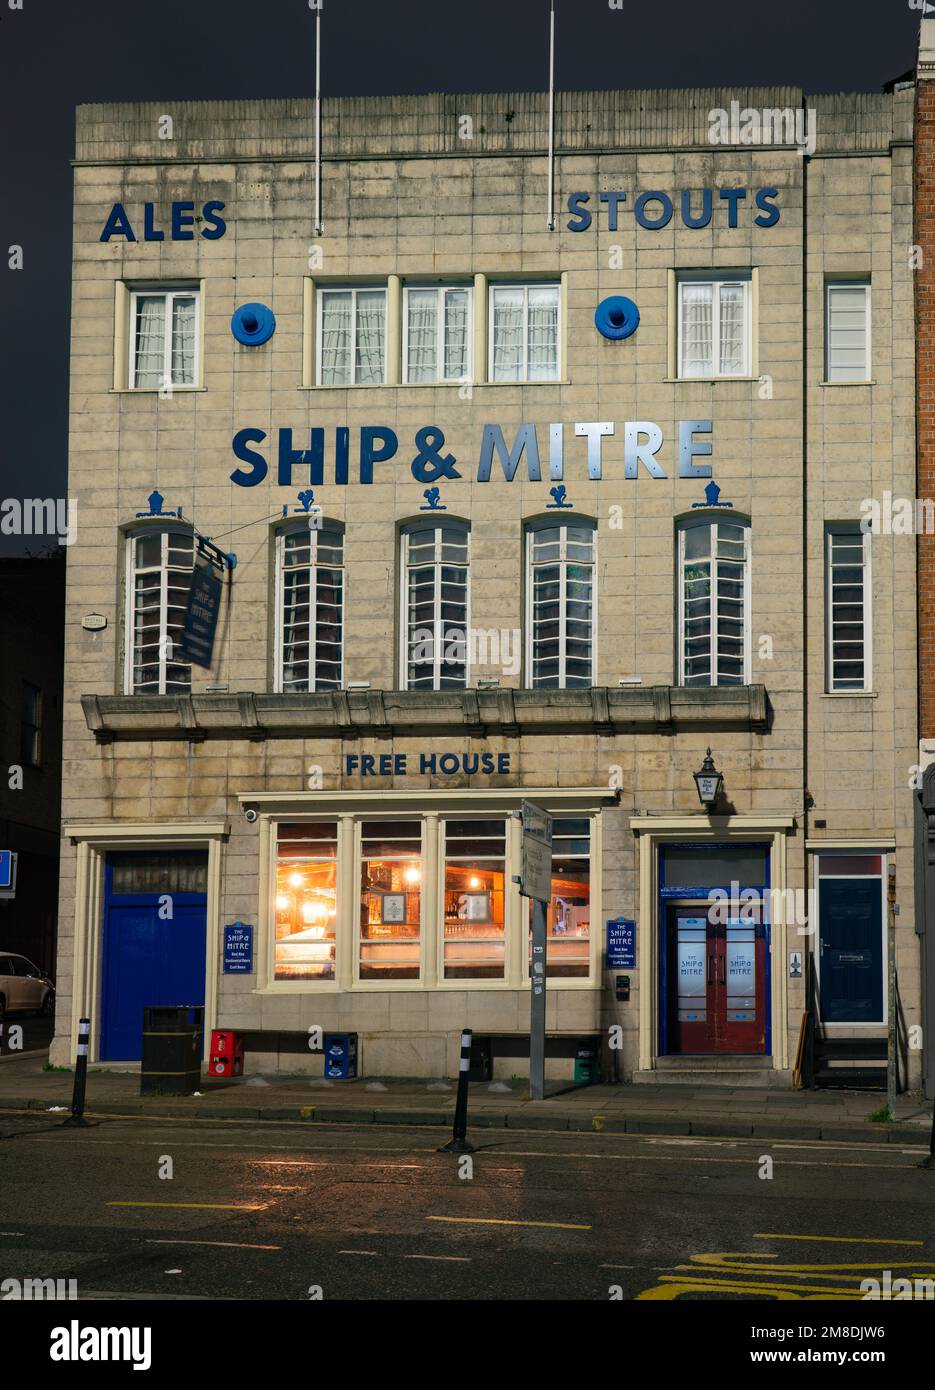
point(172, 1047)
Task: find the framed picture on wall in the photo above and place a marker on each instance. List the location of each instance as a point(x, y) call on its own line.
point(394, 907)
point(476, 907)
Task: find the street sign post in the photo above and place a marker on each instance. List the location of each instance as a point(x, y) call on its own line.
point(535, 882)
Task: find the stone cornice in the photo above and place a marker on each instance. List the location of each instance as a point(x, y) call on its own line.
point(383, 714)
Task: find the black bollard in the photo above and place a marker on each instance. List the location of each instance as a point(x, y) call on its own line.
point(76, 1118)
point(458, 1143)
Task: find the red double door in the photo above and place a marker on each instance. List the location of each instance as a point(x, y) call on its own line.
point(715, 981)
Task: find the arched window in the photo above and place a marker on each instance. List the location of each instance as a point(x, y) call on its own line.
point(434, 603)
point(714, 599)
point(560, 602)
point(159, 574)
point(310, 607)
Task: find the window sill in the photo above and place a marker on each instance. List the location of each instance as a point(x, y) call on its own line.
point(155, 391)
point(704, 380)
point(849, 695)
point(434, 385)
point(870, 381)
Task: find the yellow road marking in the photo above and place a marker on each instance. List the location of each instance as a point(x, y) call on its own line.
point(496, 1221)
point(837, 1240)
point(227, 1244)
point(196, 1206)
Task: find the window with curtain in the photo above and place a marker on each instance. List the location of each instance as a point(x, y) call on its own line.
point(524, 329)
point(847, 330)
point(560, 603)
point(159, 575)
point(714, 586)
point(310, 592)
point(163, 339)
point(847, 607)
point(352, 337)
point(434, 601)
point(437, 329)
point(714, 326)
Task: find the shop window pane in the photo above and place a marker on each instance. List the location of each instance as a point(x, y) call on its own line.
point(391, 874)
point(306, 901)
point(568, 917)
point(474, 899)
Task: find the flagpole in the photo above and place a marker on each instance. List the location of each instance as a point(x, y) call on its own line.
point(318, 224)
point(550, 220)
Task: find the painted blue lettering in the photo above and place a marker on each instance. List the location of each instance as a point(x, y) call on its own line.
point(732, 197)
point(688, 217)
point(493, 439)
point(427, 762)
point(150, 231)
point(664, 218)
point(575, 201)
point(350, 762)
point(214, 226)
point(258, 465)
point(314, 456)
point(369, 455)
point(449, 764)
point(503, 762)
point(118, 224)
point(764, 199)
point(612, 200)
point(182, 217)
point(367, 761)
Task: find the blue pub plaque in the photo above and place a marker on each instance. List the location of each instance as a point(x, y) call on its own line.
point(621, 943)
point(238, 949)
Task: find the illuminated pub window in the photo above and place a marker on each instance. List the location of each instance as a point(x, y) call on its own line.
point(306, 900)
point(568, 920)
point(391, 872)
point(474, 886)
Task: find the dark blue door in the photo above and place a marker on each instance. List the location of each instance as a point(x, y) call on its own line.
point(851, 966)
point(154, 943)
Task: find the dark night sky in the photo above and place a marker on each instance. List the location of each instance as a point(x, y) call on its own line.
point(56, 54)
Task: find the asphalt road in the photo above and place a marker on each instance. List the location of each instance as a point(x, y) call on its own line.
point(361, 1213)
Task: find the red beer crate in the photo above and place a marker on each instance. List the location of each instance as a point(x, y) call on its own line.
point(226, 1055)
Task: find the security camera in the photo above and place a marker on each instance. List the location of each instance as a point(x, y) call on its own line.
point(250, 814)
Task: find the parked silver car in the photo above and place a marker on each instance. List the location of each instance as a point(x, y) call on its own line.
point(23, 986)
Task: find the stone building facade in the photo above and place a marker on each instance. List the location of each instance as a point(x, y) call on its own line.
point(493, 542)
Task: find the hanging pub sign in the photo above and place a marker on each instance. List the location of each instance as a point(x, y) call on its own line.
point(201, 615)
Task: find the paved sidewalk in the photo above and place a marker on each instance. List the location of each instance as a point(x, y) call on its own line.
point(644, 1109)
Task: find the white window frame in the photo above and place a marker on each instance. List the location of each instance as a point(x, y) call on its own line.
point(130, 605)
point(531, 529)
point(525, 286)
point(684, 524)
point(858, 282)
point(441, 291)
point(279, 615)
point(437, 646)
point(716, 280)
point(169, 296)
point(353, 290)
point(596, 928)
point(845, 1029)
point(839, 528)
point(350, 810)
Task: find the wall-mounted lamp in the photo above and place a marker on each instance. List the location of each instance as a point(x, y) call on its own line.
point(708, 781)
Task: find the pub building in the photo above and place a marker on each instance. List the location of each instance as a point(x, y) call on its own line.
point(410, 490)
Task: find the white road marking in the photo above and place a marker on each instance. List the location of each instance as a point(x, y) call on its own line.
point(456, 1259)
point(229, 1244)
point(357, 1252)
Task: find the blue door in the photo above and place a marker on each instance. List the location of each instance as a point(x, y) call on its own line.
point(851, 966)
point(155, 917)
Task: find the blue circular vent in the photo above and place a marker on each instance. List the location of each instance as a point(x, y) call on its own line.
point(253, 324)
point(616, 317)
